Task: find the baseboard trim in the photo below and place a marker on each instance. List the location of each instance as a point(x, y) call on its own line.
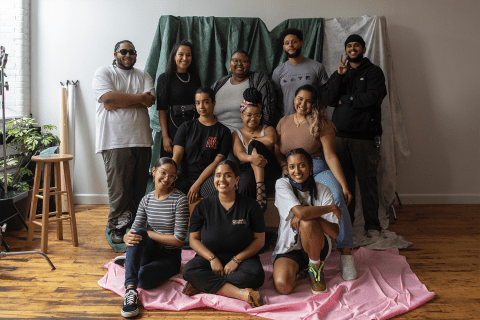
point(459, 198)
point(453, 198)
point(90, 198)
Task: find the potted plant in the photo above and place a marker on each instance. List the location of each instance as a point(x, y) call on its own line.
point(27, 140)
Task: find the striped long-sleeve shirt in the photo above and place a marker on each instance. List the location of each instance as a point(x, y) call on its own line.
point(167, 216)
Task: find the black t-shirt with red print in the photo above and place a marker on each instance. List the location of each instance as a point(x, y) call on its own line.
point(201, 145)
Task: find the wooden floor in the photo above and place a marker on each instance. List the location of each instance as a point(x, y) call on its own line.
point(445, 256)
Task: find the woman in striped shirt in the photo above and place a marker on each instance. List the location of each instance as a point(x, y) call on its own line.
point(155, 241)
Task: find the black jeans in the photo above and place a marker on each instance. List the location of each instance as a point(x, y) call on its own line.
point(360, 158)
point(247, 185)
point(148, 263)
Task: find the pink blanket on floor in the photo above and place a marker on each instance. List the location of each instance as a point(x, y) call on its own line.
point(385, 287)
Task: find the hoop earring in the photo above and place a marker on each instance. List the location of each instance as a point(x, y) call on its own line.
point(236, 186)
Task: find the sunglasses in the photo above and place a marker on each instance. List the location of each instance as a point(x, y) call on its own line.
point(124, 52)
point(239, 60)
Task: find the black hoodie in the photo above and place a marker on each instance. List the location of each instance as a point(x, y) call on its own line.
point(361, 91)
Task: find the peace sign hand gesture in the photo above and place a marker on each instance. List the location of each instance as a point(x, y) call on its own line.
point(342, 67)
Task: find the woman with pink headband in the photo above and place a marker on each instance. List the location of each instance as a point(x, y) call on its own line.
point(253, 146)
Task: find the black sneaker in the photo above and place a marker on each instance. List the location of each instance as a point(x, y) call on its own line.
point(130, 303)
point(120, 260)
point(117, 235)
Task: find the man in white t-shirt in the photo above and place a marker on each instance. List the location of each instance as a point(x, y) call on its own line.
point(296, 71)
point(123, 95)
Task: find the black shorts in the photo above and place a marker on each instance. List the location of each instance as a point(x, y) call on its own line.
point(301, 257)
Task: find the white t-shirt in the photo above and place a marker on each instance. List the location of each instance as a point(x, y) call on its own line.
point(289, 78)
point(285, 200)
point(123, 127)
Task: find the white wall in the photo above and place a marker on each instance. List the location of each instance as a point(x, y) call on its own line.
point(15, 37)
point(434, 45)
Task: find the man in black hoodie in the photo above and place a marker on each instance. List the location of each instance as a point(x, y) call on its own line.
point(356, 91)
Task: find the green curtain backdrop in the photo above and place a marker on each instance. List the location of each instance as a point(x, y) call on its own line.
point(215, 39)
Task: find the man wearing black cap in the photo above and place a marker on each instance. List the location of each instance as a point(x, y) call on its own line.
point(356, 91)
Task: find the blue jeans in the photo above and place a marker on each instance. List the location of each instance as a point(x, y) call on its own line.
point(148, 263)
point(324, 175)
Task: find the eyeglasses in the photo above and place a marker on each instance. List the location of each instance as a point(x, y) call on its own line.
point(124, 52)
point(172, 177)
point(256, 115)
point(239, 60)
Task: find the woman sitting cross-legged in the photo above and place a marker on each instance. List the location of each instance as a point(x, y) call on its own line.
point(154, 243)
point(199, 145)
point(308, 219)
point(226, 232)
point(253, 145)
point(309, 128)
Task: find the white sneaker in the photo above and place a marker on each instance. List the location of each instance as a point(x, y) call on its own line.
point(373, 233)
point(347, 264)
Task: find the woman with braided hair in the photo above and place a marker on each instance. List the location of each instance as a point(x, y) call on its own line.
point(309, 128)
point(253, 146)
point(308, 219)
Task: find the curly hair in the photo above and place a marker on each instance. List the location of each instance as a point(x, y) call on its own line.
point(319, 122)
point(293, 31)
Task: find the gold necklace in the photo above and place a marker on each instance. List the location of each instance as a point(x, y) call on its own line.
point(298, 122)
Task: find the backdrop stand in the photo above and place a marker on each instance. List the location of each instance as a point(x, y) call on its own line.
point(10, 197)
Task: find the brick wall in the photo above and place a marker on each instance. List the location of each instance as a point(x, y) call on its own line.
point(15, 37)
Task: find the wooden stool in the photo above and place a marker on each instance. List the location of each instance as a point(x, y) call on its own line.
point(47, 192)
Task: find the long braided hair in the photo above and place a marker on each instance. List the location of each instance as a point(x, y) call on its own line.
point(118, 46)
point(319, 121)
point(312, 186)
point(252, 97)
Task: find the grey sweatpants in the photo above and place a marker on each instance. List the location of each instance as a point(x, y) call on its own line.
point(127, 177)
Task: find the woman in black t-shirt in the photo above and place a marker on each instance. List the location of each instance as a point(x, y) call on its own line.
point(226, 232)
point(175, 93)
point(199, 145)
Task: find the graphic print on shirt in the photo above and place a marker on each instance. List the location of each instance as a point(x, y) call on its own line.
point(299, 78)
point(212, 142)
point(241, 221)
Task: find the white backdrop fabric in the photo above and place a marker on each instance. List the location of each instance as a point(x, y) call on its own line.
point(394, 146)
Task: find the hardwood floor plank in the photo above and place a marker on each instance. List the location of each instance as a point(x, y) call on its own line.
point(445, 257)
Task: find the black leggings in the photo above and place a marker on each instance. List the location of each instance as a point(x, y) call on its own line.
point(184, 184)
point(247, 185)
point(199, 273)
